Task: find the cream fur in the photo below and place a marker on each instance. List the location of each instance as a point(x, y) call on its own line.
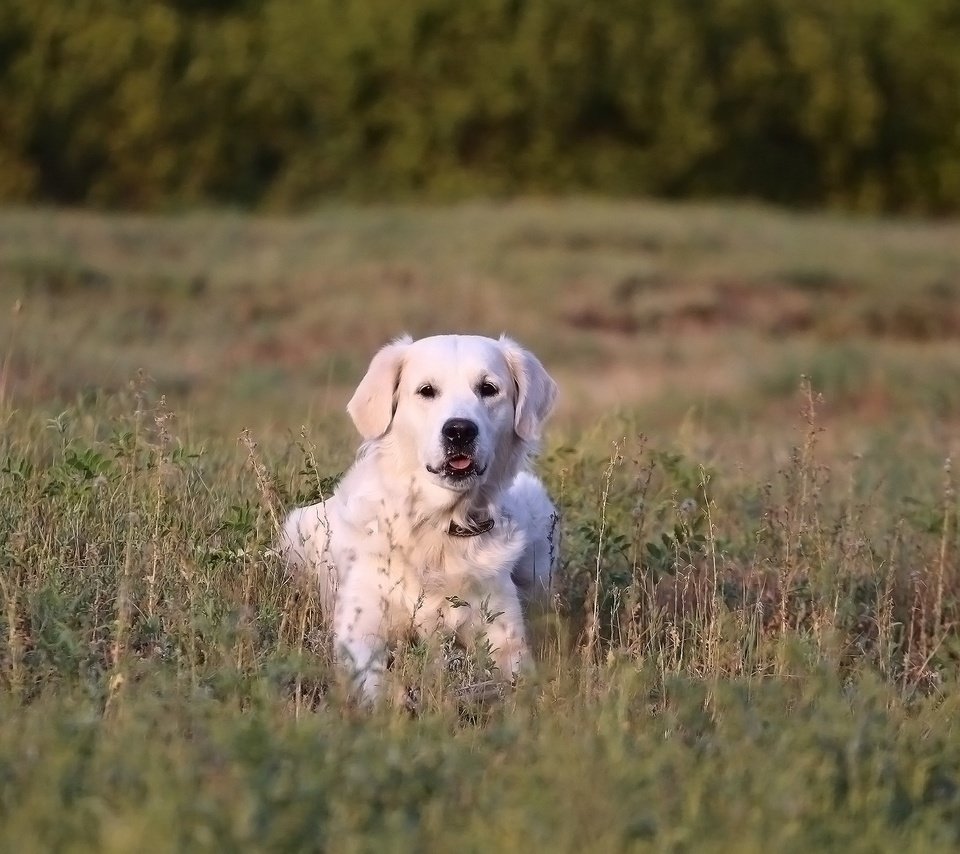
point(380, 546)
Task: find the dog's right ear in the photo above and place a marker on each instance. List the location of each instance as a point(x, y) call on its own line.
point(373, 403)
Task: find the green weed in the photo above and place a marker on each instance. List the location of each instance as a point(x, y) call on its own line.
point(753, 643)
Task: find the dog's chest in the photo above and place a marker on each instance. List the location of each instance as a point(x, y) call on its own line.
point(437, 602)
point(442, 567)
point(443, 581)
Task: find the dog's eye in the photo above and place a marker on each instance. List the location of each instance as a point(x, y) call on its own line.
point(427, 391)
point(487, 389)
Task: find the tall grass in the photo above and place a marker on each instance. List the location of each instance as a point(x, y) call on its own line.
point(753, 644)
point(729, 663)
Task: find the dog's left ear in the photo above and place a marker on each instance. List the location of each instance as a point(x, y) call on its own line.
point(536, 390)
point(373, 403)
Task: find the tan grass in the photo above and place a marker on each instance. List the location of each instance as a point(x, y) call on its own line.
point(727, 525)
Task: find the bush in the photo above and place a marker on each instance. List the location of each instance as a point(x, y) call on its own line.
point(852, 104)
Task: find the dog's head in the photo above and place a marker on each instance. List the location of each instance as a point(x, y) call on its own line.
point(461, 410)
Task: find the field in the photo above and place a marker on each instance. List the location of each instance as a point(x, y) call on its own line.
point(755, 638)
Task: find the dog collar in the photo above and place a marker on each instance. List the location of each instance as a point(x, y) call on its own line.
point(475, 530)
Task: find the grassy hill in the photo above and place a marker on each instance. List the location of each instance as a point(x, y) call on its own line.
point(754, 645)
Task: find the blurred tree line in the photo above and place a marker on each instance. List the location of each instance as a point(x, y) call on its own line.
point(154, 103)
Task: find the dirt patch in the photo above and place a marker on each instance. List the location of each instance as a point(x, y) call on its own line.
point(828, 309)
point(685, 308)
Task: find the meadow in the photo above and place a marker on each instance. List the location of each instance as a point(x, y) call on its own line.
point(754, 641)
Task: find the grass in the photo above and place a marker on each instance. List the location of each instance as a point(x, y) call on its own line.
point(754, 645)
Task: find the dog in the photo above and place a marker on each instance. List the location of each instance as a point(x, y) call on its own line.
point(438, 526)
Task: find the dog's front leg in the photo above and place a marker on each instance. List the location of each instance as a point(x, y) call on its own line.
point(499, 620)
point(361, 641)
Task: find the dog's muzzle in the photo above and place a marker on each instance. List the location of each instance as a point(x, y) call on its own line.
point(459, 442)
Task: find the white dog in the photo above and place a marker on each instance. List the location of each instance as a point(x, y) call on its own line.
point(437, 525)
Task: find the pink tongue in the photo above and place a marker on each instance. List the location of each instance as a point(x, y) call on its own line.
point(460, 463)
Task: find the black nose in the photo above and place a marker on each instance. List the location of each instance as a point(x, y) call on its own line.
point(459, 431)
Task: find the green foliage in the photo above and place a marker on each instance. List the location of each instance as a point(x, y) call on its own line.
point(278, 103)
point(680, 765)
point(754, 646)
point(166, 684)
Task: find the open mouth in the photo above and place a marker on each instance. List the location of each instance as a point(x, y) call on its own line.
point(458, 467)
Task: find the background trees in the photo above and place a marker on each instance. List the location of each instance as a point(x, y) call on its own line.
point(850, 103)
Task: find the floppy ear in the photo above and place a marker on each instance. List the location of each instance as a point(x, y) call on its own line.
point(536, 390)
point(373, 403)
